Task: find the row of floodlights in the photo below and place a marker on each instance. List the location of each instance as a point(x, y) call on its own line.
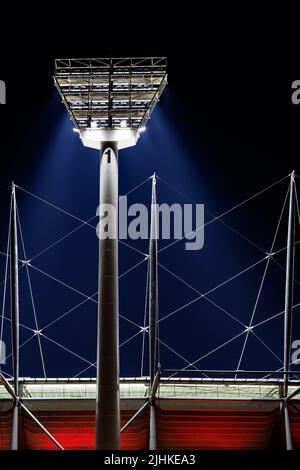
point(94, 88)
point(108, 71)
point(103, 107)
point(94, 125)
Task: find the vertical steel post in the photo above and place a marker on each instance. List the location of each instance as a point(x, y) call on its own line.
point(288, 313)
point(108, 394)
point(153, 310)
point(14, 301)
point(153, 285)
point(289, 284)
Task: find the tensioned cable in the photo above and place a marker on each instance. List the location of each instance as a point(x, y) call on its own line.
point(120, 346)
point(283, 269)
point(228, 280)
point(20, 324)
point(224, 282)
point(140, 327)
point(162, 342)
point(203, 295)
point(267, 347)
point(62, 238)
point(130, 339)
point(31, 293)
point(120, 241)
point(213, 350)
point(253, 196)
point(234, 231)
point(67, 349)
point(79, 305)
point(75, 230)
point(88, 298)
point(23, 344)
point(227, 225)
point(54, 206)
point(225, 312)
point(253, 327)
point(263, 279)
point(225, 213)
point(56, 343)
point(132, 247)
point(272, 352)
point(83, 222)
point(278, 370)
point(213, 289)
point(213, 215)
point(64, 284)
point(135, 188)
point(189, 364)
point(83, 370)
point(74, 353)
point(133, 267)
point(68, 311)
point(6, 373)
point(69, 213)
point(273, 316)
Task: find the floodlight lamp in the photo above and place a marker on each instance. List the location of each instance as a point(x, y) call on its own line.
point(110, 99)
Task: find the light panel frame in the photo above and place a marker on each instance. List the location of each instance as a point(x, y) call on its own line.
point(110, 93)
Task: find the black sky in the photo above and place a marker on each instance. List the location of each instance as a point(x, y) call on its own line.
point(231, 75)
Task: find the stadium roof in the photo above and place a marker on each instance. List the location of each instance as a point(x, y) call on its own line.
point(190, 414)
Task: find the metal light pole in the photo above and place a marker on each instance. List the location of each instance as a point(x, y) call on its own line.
point(110, 101)
point(108, 395)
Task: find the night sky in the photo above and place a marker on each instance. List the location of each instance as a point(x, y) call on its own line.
point(224, 129)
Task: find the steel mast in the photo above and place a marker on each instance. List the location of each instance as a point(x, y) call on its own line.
point(288, 314)
point(108, 394)
point(14, 301)
point(153, 311)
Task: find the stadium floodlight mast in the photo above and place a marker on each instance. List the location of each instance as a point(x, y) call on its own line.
point(110, 101)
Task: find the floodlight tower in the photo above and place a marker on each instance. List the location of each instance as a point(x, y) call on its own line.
point(110, 102)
